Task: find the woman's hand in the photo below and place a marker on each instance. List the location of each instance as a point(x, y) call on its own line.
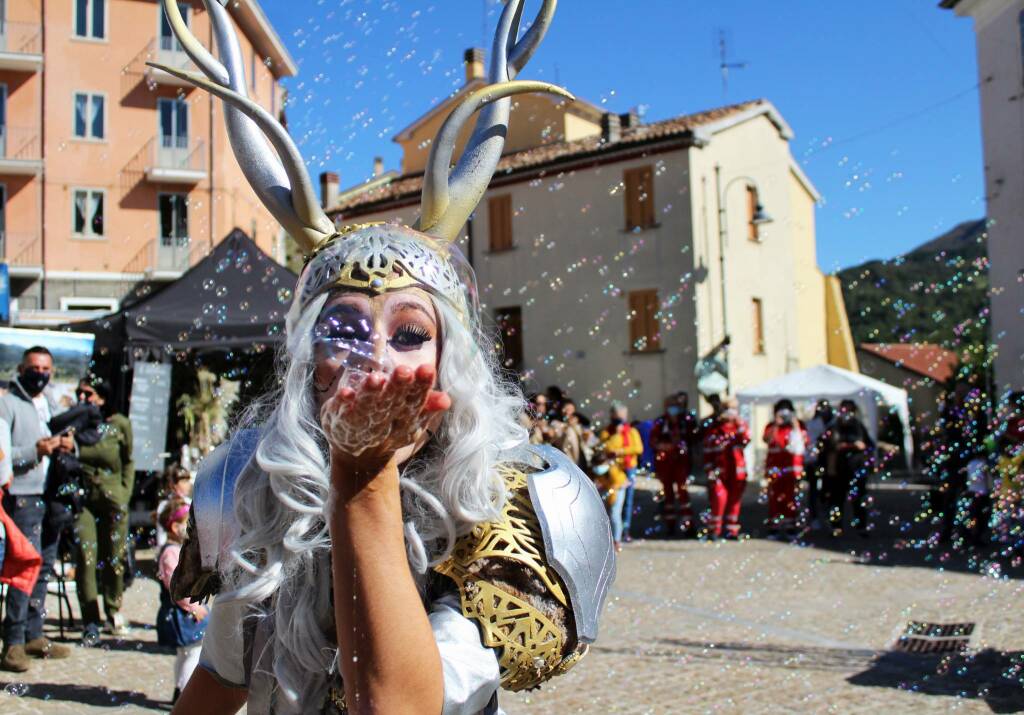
point(368, 427)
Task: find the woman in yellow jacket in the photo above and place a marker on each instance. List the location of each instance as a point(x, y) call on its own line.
point(622, 446)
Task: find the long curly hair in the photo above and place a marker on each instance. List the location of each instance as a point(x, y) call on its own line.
point(282, 554)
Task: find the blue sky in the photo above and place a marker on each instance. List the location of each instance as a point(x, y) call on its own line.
point(881, 94)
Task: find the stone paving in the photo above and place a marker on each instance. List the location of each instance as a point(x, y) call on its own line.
point(754, 626)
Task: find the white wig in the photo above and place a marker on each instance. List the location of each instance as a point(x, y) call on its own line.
point(282, 555)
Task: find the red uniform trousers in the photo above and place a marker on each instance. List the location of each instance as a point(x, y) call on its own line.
point(725, 492)
point(675, 475)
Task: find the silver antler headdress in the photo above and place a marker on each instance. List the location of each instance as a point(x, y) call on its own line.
point(381, 257)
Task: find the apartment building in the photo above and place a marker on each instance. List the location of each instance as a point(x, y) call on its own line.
point(613, 255)
point(999, 31)
point(110, 171)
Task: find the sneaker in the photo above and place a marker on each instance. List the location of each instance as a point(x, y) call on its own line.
point(43, 647)
point(116, 626)
point(732, 536)
point(91, 635)
point(15, 659)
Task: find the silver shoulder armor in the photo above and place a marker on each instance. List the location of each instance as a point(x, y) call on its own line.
point(213, 497)
point(577, 535)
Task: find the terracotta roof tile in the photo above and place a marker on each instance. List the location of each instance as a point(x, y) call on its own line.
point(923, 358)
point(411, 184)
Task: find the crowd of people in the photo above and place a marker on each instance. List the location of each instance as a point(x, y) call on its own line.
point(816, 471)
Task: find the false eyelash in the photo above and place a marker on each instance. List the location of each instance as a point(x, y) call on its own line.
point(417, 330)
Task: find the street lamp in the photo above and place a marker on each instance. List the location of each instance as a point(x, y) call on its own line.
point(759, 218)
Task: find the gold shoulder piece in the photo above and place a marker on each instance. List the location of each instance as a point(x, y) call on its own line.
point(531, 628)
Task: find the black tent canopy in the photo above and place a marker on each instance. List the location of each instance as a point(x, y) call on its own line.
point(236, 297)
point(232, 302)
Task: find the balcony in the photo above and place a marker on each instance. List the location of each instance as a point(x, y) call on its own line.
point(23, 253)
point(165, 258)
point(176, 160)
point(21, 46)
point(20, 151)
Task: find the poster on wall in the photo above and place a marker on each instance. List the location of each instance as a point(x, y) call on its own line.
point(150, 403)
point(72, 353)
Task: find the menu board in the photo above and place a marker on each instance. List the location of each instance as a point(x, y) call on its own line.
point(148, 412)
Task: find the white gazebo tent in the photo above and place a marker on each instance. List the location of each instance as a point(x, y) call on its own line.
point(834, 384)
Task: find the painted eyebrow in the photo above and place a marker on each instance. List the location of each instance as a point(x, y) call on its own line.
point(409, 305)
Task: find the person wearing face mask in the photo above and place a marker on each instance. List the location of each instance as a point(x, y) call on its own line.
point(786, 438)
point(724, 436)
point(816, 456)
point(101, 529)
point(673, 437)
point(853, 447)
point(28, 407)
point(623, 446)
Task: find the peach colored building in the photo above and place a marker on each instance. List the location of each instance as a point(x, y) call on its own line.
point(112, 172)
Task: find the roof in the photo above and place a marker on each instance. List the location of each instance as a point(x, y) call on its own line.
point(924, 359)
point(250, 17)
point(697, 128)
point(948, 4)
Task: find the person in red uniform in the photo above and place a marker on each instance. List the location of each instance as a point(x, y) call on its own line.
point(786, 438)
point(673, 437)
point(724, 435)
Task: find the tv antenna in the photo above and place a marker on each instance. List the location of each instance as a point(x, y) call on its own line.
point(724, 64)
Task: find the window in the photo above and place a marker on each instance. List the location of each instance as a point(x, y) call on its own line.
point(91, 19)
point(758, 316)
point(173, 220)
point(644, 326)
point(92, 304)
point(173, 117)
point(87, 213)
point(510, 323)
point(752, 203)
point(89, 116)
point(639, 197)
point(499, 219)
point(168, 41)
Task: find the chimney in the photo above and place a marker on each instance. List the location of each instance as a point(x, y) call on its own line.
point(630, 120)
point(329, 183)
point(378, 166)
point(611, 128)
point(474, 62)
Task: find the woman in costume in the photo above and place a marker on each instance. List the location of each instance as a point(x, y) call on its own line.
point(381, 537)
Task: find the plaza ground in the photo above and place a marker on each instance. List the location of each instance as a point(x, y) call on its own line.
point(693, 627)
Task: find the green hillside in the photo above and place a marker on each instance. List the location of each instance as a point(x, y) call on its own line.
point(937, 293)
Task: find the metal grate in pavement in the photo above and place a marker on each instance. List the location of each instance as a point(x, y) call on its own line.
point(921, 637)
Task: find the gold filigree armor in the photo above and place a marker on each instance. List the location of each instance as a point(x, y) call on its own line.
point(507, 587)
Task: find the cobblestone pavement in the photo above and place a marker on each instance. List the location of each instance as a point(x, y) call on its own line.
point(755, 626)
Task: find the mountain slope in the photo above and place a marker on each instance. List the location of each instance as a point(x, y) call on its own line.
point(937, 293)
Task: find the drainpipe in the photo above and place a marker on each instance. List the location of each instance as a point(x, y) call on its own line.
point(42, 157)
point(209, 153)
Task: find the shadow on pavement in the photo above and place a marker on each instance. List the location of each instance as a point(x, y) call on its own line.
point(83, 695)
point(991, 676)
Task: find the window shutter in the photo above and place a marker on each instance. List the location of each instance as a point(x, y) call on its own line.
point(644, 327)
point(510, 323)
point(639, 197)
point(758, 316)
point(499, 217)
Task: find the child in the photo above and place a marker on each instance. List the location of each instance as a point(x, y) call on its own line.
point(178, 623)
point(177, 483)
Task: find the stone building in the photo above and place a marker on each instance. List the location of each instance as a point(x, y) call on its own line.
point(613, 254)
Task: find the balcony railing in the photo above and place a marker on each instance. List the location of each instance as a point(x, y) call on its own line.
point(22, 250)
point(176, 159)
point(21, 46)
point(20, 150)
point(165, 255)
